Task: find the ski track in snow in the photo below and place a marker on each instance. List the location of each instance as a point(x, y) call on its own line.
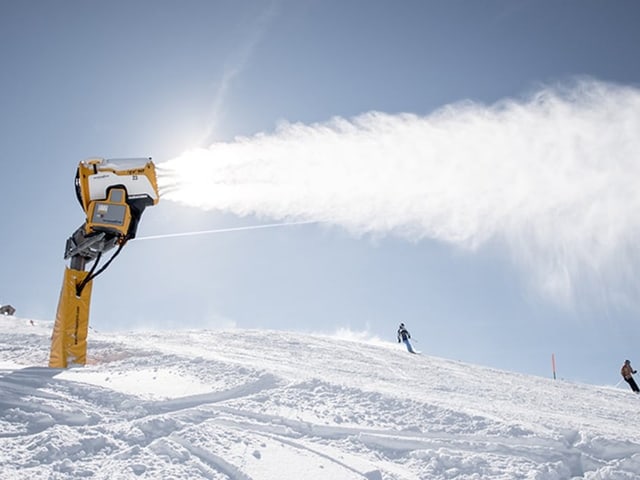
point(263, 405)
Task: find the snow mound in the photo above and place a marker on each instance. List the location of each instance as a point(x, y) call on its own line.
point(266, 405)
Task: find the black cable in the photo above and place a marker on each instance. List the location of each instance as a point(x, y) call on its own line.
point(91, 275)
point(84, 282)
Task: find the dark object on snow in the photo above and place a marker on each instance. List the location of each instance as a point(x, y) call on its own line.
point(403, 333)
point(627, 372)
point(7, 310)
point(404, 337)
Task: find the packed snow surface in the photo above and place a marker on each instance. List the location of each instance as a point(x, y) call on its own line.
point(268, 405)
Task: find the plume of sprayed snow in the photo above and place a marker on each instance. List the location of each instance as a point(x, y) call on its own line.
point(552, 177)
point(345, 333)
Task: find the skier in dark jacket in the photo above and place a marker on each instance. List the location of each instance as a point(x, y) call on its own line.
point(627, 372)
point(404, 336)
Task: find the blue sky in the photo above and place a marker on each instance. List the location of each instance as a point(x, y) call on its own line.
point(125, 79)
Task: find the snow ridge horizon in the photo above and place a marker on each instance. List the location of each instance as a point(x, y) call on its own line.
point(215, 405)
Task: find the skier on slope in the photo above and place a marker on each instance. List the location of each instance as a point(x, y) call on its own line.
point(404, 336)
point(627, 372)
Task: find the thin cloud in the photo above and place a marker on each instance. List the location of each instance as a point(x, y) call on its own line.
point(237, 64)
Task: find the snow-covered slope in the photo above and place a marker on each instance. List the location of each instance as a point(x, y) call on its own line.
point(276, 405)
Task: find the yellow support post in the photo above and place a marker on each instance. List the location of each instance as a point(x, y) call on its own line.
point(69, 338)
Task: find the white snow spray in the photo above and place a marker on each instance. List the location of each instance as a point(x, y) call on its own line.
point(552, 179)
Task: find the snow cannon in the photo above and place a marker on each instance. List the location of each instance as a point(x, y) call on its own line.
point(113, 195)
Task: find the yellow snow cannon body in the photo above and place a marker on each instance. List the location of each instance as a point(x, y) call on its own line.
point(113, 195)
point(112, 190)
